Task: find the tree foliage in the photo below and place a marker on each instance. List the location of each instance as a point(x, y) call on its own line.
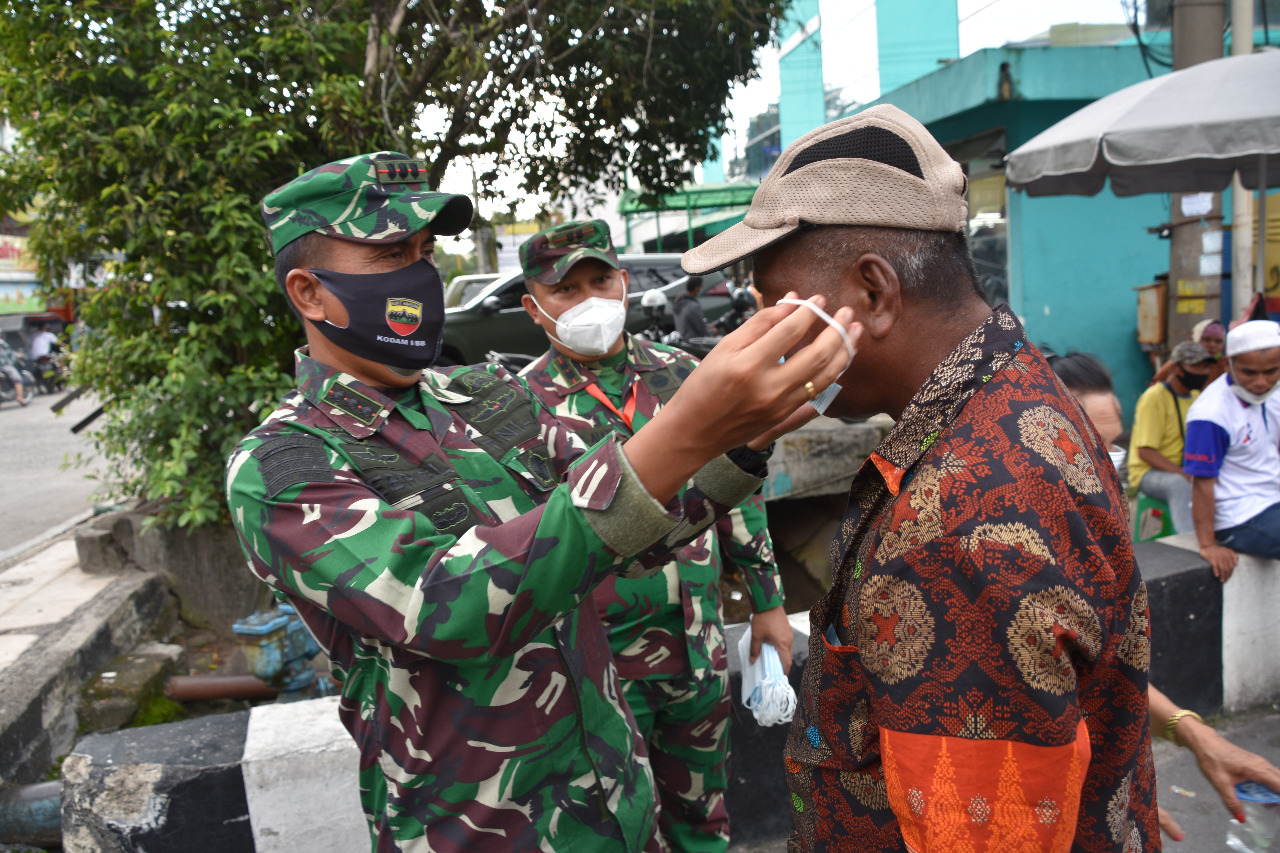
point(149, 130)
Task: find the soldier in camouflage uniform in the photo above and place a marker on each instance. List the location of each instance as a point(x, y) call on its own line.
point(437, 530)
point(665, 630)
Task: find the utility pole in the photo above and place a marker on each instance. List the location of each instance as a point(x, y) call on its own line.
point(1195, 251)
point(1241, 198)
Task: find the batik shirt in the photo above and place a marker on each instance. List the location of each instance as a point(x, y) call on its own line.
point(7, 358)
point(481, 697)
point(977, 678)
point(661, 624)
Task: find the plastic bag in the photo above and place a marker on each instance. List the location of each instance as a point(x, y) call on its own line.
point(766, 692)
point(1261, 832)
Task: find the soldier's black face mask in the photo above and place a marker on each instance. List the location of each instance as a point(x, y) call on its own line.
point(393, 318)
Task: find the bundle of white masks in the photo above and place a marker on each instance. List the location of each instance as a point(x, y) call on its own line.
point(766, 692)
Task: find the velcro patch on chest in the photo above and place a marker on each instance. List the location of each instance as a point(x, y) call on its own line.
point(291, 460)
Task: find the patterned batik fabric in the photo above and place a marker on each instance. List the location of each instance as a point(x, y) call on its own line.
point(978, 670)
point(666, 631)
point(482, 698)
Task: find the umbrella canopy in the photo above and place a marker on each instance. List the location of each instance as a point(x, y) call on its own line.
point(1188, 131)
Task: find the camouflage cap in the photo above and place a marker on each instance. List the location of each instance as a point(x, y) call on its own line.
point(547, 256)
point(369, 198)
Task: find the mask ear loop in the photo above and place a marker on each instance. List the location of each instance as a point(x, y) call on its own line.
point(830, 321)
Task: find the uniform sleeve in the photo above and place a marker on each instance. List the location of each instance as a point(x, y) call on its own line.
point(1206, 448)
point(390, 575)
point(745, 540)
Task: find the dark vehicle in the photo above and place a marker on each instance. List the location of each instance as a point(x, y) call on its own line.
point(496, 320)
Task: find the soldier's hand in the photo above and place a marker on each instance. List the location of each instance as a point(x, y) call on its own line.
point(739, 392)
point(771, 626)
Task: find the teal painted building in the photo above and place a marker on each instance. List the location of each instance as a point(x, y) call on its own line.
point(913, 37)
point(1066, 265)
point(802, 100)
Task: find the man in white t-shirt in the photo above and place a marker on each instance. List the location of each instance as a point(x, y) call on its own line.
point(43, 342)
point(1233, 452)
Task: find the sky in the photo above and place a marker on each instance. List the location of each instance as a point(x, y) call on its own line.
point(849, 63)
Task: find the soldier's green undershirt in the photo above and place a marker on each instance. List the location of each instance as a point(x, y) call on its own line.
point(611, 373)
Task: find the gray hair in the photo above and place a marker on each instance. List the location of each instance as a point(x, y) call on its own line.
point(931, 265)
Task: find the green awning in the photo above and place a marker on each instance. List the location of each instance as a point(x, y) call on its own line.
point(692, 197)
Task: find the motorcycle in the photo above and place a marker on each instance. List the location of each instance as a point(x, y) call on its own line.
point(50, 372)
point(8, 393)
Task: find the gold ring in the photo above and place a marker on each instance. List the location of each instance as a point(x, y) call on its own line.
point(811, 391)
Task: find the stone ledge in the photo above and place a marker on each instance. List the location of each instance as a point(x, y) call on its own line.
point(170, 788)
point(40, 690)
point(1250, 632)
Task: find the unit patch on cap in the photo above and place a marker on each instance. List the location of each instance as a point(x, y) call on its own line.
point(404, 315)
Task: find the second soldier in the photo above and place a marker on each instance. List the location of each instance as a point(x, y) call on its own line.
point(665, 630)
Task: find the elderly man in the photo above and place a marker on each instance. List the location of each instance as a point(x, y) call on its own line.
point(978, 669)
point(1233, 452)
point(1160, 431)
point(437, 530)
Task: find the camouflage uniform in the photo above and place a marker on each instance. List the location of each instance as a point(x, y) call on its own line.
point(665, 630)
point(482, 699)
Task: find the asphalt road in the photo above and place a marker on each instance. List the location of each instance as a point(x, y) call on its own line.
point(35, 492)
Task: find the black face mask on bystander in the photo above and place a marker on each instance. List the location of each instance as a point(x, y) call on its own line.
point(394, 318)
point(1193, 381)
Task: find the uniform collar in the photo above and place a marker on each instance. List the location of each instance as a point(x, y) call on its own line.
point(354, 406)
point(986, 351)
point(568, 376)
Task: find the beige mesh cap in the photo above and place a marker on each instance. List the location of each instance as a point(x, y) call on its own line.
point(879, 167)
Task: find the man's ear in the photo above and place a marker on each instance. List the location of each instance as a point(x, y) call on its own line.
point(531, 308)
point(874, 292)
point(307, 294)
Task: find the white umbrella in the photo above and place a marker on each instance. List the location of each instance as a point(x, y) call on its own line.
point(1183, 132)
point(1188, 131)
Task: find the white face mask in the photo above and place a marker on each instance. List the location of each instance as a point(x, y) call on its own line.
point(828, 394)
point(591, 327)
point(1248, 396)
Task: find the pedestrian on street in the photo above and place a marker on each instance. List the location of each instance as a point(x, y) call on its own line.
point(8, 368)
point(436, 530)
point(977, 677)
point(665, 630)
point(1160, 432)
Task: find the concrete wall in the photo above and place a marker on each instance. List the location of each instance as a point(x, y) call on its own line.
point(911, 36)
point(1073, 262)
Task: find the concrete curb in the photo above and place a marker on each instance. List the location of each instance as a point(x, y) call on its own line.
point(40, 691)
